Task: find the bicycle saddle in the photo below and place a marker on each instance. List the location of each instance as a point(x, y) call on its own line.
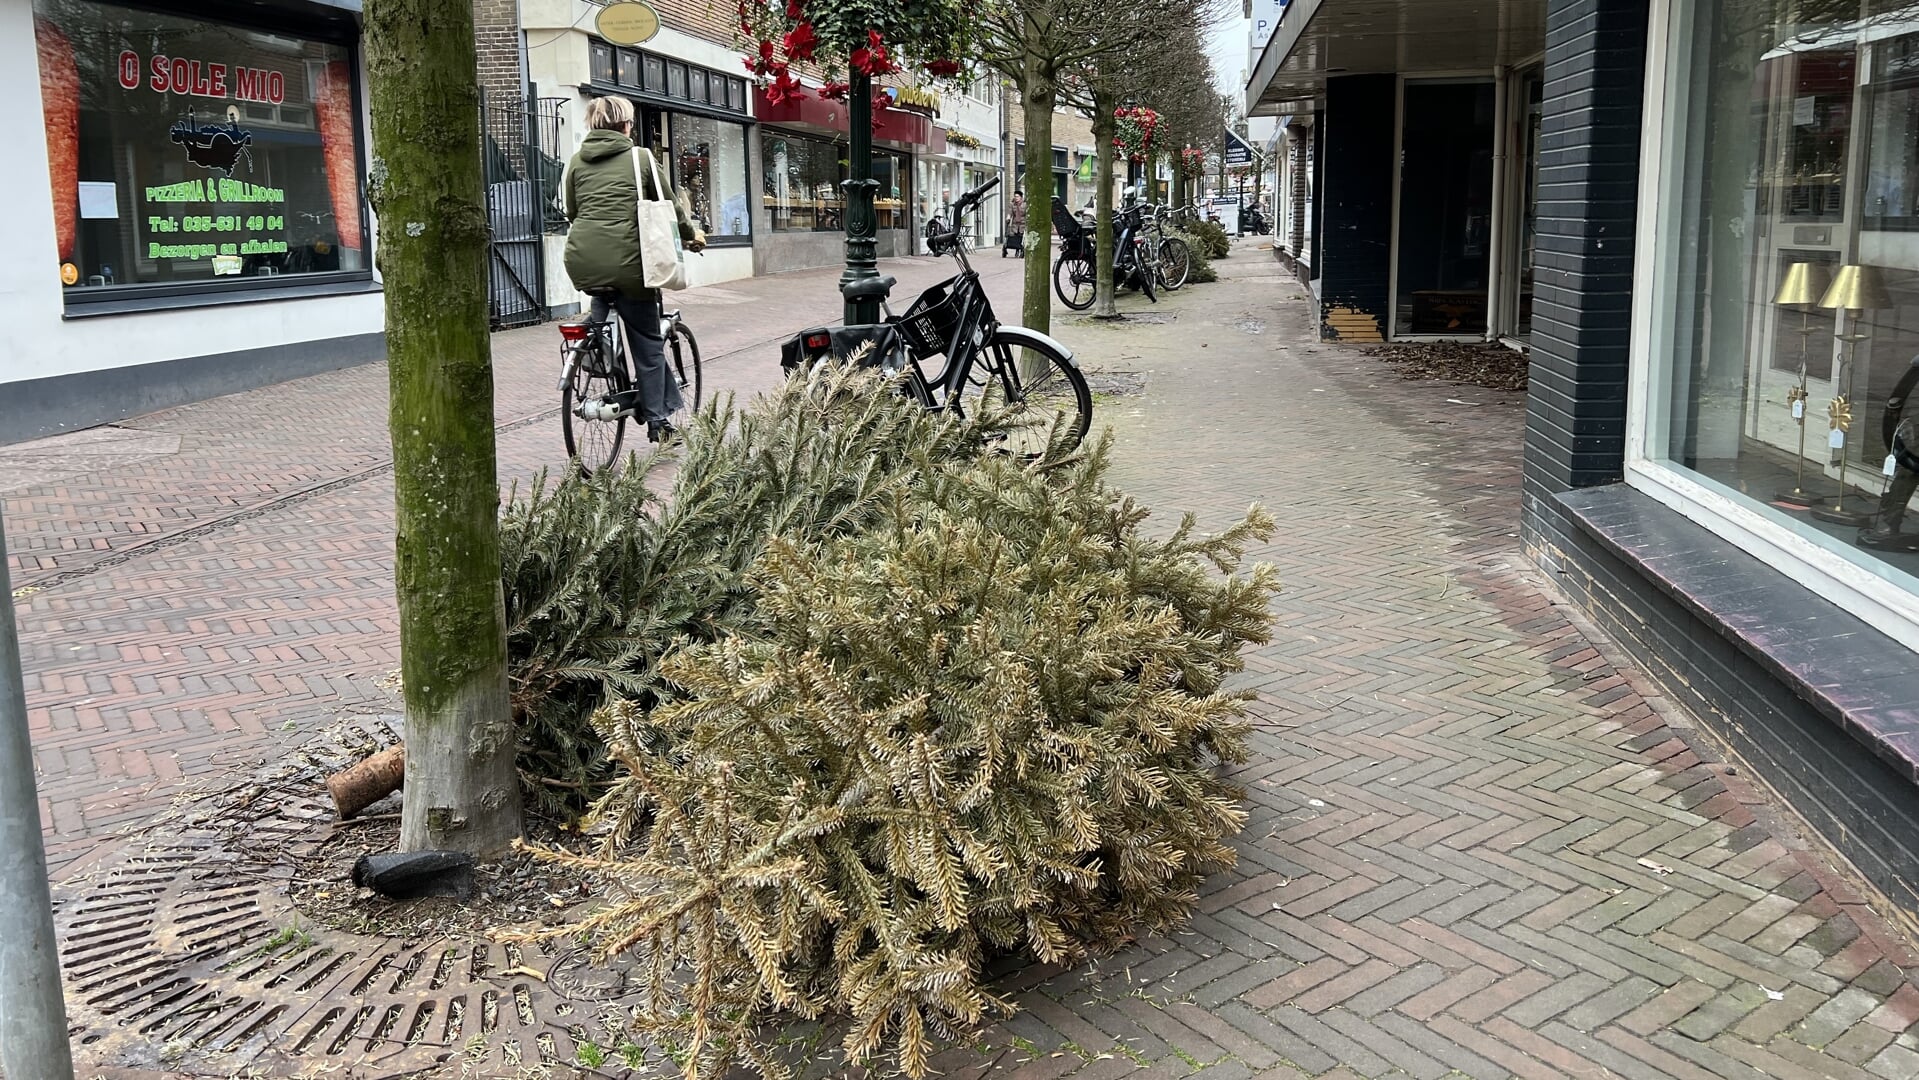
point(878, 288)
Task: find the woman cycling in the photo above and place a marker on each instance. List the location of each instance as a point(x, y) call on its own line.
point(601, 196)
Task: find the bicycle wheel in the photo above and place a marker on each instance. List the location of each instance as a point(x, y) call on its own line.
point(1144, 273)
point(594, 443)
point(1045, 391)
point(683, 359)
point(1073, 281)
point(1175, 262)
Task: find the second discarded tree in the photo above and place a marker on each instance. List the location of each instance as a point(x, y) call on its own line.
point(462, 791)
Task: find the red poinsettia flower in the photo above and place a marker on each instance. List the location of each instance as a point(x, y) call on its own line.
point(784, 88)
point(835, 91)
point(944, 69)
point(800, 42)
point(871, 59)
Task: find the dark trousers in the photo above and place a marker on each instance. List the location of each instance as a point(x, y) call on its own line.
point(656, 390)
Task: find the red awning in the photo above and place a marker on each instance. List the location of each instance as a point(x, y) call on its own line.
point(897, 128)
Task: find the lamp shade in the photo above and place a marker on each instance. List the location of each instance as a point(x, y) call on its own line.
point(1857, 288)
point(1805, 283)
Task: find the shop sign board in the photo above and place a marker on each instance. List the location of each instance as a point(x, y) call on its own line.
point(1239, 152)
point(628, 22)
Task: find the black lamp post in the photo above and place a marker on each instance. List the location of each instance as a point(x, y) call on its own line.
point(862, 258)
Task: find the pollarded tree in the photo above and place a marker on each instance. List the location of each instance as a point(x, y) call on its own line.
point(461, 788)
point(1042, 46)
point(1164, 58)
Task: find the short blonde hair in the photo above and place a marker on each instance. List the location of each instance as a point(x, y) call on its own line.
point(609, 113)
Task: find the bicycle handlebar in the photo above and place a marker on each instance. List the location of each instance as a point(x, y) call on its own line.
point(971, 199)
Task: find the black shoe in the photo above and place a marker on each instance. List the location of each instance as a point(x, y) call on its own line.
point(659, 431)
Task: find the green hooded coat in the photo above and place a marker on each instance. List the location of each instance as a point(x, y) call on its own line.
point(601, 197)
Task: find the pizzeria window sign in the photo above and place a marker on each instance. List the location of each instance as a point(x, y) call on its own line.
point(187, 151)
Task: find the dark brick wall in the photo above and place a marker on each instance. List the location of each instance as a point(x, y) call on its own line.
point(1299, 152)
point(496, 32)
point(1357, 200)
point(1582, 269)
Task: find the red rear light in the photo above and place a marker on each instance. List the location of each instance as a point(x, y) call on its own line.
point(573, 331)
point(819, 341)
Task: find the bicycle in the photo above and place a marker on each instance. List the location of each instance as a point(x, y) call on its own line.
point(1074, 276)
point(1037, 376)
point(594, 373)
point(1174, 262)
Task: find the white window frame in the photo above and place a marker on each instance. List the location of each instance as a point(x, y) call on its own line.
point(1873, 597)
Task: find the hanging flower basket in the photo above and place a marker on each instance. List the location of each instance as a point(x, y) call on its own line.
point(1192, 161)
point(839, 38)
point(1133, 133)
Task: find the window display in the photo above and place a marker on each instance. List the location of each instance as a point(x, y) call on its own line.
point(709, 165)
point(186, 151)
point(802, 182)
point(1786, 285)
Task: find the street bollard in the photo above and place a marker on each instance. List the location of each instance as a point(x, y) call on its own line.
point(33, 1014)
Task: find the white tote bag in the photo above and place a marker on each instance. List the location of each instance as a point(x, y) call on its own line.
point(661, 256)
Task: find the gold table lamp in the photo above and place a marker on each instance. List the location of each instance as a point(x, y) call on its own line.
point(1804, 285)
point(1856, 290)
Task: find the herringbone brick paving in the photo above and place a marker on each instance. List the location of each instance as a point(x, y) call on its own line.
point(1475, 847)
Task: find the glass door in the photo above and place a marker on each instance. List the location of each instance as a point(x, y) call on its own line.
point(1445, 209)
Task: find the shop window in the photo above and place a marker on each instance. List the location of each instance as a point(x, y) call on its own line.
point(190, 152)
point(709, 166)
point(601, 63)
point(676, 80)
point(629, 68)
point(802, 189)
point(1785, 291)
point(890, 198)
point(655, 75)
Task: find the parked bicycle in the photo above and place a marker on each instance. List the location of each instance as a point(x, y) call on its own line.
point(595, 371)
point(1174, 261)
point(953, 322)
point(1075, 273)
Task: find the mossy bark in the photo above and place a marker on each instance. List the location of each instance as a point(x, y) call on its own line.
point(462, 792)
point(1037, 97)
point(1104, 128)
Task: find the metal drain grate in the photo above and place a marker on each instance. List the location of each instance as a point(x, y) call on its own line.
point(185, 954)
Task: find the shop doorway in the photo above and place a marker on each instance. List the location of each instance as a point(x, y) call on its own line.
point(1444, 230)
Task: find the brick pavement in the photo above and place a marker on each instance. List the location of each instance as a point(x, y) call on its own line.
point(1477, 848)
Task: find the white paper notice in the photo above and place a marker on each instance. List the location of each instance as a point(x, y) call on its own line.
point(1837, 439)
point(1803, 114)
point(1799, 409)
point(1891, 466)
point(98, 199)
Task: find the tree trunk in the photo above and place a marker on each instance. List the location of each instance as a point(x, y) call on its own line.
point(1036, 102)
point(462, 791)
point(1104, 126)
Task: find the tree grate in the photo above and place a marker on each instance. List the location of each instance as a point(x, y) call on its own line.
point(183, 953)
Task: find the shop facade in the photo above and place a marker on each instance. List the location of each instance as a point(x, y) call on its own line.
point(197, 224)
point(1721, 293)
point(1423, 133)
point(694, 108)
point(803, 159)
point(969, 117)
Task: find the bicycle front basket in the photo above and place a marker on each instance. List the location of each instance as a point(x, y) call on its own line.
point(929, 324)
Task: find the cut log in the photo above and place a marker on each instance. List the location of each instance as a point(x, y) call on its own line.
point(371, 780)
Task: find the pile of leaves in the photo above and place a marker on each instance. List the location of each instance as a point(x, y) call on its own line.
point(988, 722)
point(1494, 367)
point(603, 576)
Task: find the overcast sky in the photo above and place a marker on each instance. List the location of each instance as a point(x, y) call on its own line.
point(1228, 49)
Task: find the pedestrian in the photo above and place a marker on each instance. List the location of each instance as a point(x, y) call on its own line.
point(1015, 241)
point(601, 194)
